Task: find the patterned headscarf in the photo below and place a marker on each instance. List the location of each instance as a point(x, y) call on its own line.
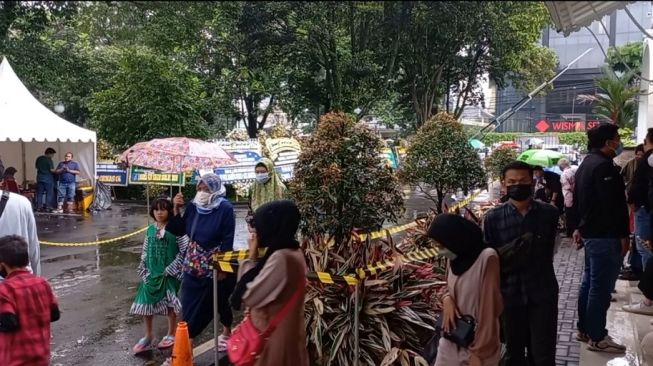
point(217, 190)
point(272, 190)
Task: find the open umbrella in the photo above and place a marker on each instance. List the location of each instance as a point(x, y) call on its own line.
point(177, 155)
point(543, 158)
point(477, 144)
point(534, 141)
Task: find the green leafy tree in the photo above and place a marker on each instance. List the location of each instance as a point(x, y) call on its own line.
point(447, 47)
point(341, 183)
point(626, 58)
point(497, 160)
point(150, 97)
point(440, 157)
point(616, 102)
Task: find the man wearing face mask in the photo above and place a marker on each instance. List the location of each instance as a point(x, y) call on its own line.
point(604, 232)
point(530, 290)
point(268, 186)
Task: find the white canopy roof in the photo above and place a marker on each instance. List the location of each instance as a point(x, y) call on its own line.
point(24, 118)
point(570, 16)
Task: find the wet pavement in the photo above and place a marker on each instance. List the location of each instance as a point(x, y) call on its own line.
point(96, 284)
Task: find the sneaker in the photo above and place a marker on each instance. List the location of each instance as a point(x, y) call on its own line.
point(607, 345)
point(582, 337)
point(58, 211)
point(639, 308)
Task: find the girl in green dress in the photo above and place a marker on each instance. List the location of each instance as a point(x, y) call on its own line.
point(160, 272)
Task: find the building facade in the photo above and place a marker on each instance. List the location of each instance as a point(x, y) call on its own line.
point(559, 110)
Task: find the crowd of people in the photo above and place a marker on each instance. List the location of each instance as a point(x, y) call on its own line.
point(501, 284)
point(502, 275)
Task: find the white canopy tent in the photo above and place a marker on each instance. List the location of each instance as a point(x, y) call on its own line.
point(27, 128)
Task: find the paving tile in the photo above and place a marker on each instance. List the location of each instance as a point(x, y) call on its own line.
point(568, 264)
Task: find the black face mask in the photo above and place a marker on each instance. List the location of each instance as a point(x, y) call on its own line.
point(520, 192)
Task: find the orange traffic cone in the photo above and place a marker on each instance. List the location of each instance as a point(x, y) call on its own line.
point(182, 353)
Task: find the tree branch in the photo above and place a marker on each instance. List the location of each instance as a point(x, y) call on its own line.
point(268, 109)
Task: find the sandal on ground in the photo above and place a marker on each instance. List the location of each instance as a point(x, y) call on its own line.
point(222, 343)
point(143, 345)
point(167, 342)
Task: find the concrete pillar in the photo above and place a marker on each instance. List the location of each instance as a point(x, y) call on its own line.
point(645, 105)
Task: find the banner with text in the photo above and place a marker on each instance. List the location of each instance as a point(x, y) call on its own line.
point(111, 174)
point(247, 153)
point(140, 175)
point(284, 152)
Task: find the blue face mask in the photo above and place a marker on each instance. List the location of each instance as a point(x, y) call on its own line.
point(262, 177)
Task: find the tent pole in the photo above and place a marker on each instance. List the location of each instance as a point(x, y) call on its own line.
point(147, 196)
point(183, 182)
point(24, 172)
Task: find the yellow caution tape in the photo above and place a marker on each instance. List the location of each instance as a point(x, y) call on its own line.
point(97, 242)
point(378, 267)
point(464, 202)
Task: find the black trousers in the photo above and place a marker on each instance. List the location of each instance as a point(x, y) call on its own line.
point(197, 302)
point(571, 220)
point(531, 333)
point(646, 280)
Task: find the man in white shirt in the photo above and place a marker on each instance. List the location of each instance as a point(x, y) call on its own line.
point(18, 219)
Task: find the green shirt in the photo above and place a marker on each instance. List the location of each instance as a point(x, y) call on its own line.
point(44, 166)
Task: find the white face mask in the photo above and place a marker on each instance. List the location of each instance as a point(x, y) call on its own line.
point(202, 198)
point(262, 177)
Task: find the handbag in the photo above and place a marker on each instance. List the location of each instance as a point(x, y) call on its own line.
point(198, 261)
point(517, 254)
point(463, 333)
point(464, 328)
point(246, 342)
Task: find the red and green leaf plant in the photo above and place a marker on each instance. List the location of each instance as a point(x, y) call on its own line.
point(342, 184)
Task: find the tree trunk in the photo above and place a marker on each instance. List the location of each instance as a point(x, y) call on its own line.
point(252, 120)
point(268, 109)
point(440, 199)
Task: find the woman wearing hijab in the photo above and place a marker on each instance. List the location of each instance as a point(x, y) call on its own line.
point(472, 289)
point(268, 186)
point(265, 286)
point(210, 223)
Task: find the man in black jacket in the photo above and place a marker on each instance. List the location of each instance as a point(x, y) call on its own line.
point(603, 231)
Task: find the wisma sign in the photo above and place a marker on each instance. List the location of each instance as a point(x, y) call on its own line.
point(565, 126)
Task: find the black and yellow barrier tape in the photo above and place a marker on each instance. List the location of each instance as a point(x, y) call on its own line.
point(96, 242)
point(242, 254)
point(361, 273)
point(414, 256)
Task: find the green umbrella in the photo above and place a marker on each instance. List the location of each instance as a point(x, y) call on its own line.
point(476, 144)
point(543, 158)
